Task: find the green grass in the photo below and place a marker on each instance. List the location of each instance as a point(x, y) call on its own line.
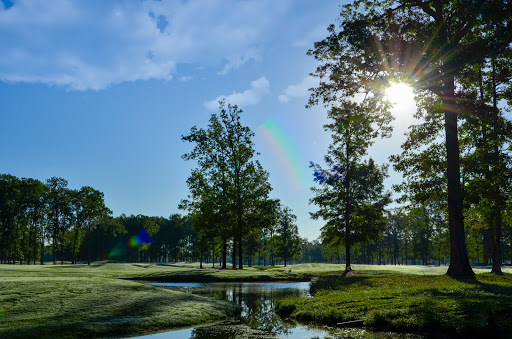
point(60, 301)
point(171, 272)
point(107, 299)
point(409, 303)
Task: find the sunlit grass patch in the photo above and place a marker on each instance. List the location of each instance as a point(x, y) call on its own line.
point(77, 306)
point(409, 303)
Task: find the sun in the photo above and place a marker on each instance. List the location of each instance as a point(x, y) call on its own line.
point(401, 96)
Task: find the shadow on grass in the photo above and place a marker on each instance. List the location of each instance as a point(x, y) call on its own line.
point(501, 284)
point(119, 310)
point(216, 275)
point(339, 280)
point(483, 309)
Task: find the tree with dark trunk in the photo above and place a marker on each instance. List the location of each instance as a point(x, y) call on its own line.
point(229, 183)
point(427, 43)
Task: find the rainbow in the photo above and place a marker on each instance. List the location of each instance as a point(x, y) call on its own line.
point(276, 133)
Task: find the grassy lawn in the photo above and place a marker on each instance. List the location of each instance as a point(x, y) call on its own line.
point(170, 272)
point(107, 299)
point(387, 300)
point(68, 301)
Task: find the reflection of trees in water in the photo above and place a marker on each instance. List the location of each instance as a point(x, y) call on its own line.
point(257, 317)
point(258, 311)
point(228, 331)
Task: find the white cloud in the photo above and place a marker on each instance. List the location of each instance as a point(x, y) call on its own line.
point(93, 44)
point(300, 90)
point(185, 78)
point(251, 96)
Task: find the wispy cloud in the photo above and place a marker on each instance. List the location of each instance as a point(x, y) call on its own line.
point(300, 90)
point(251, 96)
point(185, 78)
point(92, 45)
point(316, 34)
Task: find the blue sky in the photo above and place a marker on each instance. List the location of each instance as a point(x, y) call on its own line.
point(100, 92)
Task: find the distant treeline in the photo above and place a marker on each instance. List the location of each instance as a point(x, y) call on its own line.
point(415, 236)
point(50, 222)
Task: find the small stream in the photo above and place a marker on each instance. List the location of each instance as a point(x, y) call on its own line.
point(257, 318)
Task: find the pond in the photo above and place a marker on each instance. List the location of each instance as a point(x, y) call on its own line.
point(257, 318)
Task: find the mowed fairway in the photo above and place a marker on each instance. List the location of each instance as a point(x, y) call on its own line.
point(109, 299)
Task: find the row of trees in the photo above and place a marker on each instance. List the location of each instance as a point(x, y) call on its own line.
point(49, 221)
point(33, 214)
point(417, 235)
point(457, 56)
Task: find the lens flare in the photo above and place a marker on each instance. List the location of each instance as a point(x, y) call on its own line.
point(141, 241)
point(115, 253)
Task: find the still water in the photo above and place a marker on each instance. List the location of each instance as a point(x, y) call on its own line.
point(257, 318)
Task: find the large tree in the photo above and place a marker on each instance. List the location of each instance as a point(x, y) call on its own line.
point(10, 209)
point(352, 203)
point(227, 172)
point(484, 139)
point(351, 197)
point(426, 42)
point(488, 135)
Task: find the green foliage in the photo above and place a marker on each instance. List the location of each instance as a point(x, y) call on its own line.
point(351, 199)
point(229, 189)
point(287, 240)
point(432, 45)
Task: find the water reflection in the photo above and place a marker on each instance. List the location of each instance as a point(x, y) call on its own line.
point(256, 301)
point(257, 318)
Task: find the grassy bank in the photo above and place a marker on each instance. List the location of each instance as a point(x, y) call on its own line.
point(409, 303)
point(39, 302)
point(107, 299)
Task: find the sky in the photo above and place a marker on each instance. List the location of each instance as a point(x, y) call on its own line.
point(100, 93)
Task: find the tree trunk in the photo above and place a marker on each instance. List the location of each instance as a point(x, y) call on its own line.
point(406, 252)
point(348, 266)
point(89, 244)
point(233, 253)
point(213, 256)
point(62, 249)
point(54, 249)
point(224, 253)
point(201, 256)
point(240, 257)
point(496, 244)
point(74, 246)
point(42, 251)
point(496, 217)
point(459, 260)
point(348, 202)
